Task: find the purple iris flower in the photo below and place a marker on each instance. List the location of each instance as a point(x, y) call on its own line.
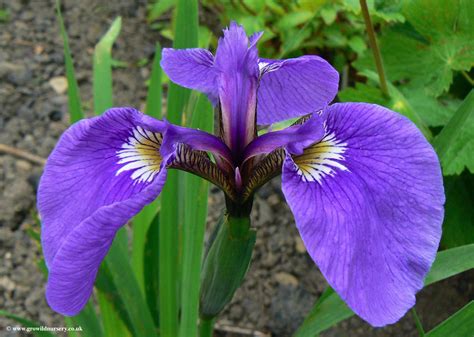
point(364, 185)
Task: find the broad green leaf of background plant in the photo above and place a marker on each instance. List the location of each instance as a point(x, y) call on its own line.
point(397, 101)
point(428, 50)
point(385, 10)
point(331, 309)
point(433, 111)
point(455, 143)
point(458, 226)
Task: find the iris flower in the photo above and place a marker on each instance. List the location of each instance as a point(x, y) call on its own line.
point(364, 185)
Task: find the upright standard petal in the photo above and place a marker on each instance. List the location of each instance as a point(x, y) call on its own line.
point(101, 173)
point(237, 64)
point(294, 87)
point(368, 203)
point(192, 69)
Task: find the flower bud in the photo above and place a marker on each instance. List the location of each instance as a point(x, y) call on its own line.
point(225, 264)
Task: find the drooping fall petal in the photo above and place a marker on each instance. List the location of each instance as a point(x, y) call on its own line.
point(368, 203)
point(101, 173)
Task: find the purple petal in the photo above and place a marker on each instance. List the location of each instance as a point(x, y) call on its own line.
point(74, 269)
point(237, 63)
point(294, 138)
point(191, 68)
point(294, 87)
point(101, 173)
point(368, 203)
point(253, 39)
point(195, 139)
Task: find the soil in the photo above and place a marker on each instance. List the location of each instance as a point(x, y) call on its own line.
point(282, 283)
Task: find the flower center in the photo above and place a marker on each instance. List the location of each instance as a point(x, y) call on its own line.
point(322, 159)
point(141, 155)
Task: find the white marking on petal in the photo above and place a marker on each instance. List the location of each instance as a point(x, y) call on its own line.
point(322, 159)
point(266, 67)
point(262, 65)
point(141, 154)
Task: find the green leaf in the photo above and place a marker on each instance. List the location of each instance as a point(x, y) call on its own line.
point(113, 313)
point(458, 226)
point(386, 11)
point(4, 15)
point(125, 290)
point(143, 219)
point(151, 269)
point(440, 18)
point(155, 90)
point(195, 205)
point(27, 324)
point(433, 111)
point(158, 8)
point(363, 93)
point(328, 14)
point(332, 309)
point(455, 143)
point(397, 102)
point(102, 68)
point(442, 43)
point(88, 320)
point(357, 44)
point(186, 36)
point(74, 99)
point(451, 262)
point(294, 19)
point(325, 314)
point(70, 324)
point(461, 324)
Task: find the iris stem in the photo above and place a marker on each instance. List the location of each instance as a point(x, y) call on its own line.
point(374, 47)
point(418, 324)
point(206, 327)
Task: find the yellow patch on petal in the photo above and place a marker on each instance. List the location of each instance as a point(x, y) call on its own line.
point(322, 159)
point(141, 153)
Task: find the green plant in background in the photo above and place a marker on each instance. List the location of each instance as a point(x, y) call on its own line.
point(428, 53)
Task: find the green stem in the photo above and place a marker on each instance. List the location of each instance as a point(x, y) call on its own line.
point(374, 47)
point(206, 327)
point(467, 77)
point(418, 324)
